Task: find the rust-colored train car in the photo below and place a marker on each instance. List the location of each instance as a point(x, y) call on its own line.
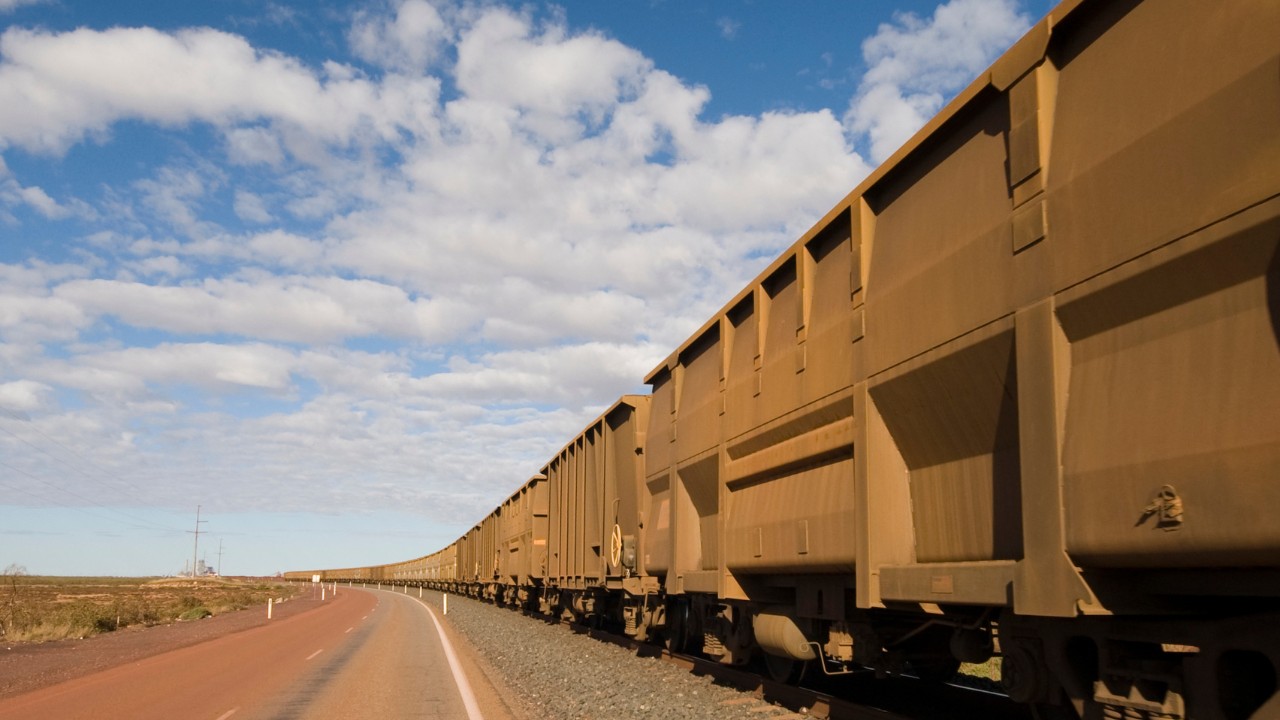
point(409, 571)
point(1018, 392)
point(595, 493)
point(442, 566)
point(360, 574)
point(522, 543)
point(470, 562)
point(1026, 370)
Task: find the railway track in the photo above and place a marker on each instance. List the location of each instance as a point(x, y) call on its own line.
point(858, 696)
point(851, 697)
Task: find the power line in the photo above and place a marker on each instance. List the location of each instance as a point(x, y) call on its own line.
point(91, 502)
point(88, 461)
point(54, 501)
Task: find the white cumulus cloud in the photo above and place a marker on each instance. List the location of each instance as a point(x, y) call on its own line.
point(21, 395)
point(914, 63)
point(56, 88)
point(409, 273)
point(409, 39)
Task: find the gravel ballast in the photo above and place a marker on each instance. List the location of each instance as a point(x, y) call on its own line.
point(554, 672)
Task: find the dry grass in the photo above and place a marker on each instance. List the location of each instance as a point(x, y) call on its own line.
point(39, 609)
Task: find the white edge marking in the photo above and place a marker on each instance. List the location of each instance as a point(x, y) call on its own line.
point(459, 677)
point(228, 713)
point(315, 653)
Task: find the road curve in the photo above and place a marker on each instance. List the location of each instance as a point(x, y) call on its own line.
point(359, 655)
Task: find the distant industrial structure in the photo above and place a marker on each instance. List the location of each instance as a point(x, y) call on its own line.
point(202, 569)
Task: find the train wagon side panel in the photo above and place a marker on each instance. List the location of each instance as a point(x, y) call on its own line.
point(791, 357)
point(940, 294)
point(443, 565)
point(540, 528)
point(469, 561)
point(516, 540)
point(658, 468)
point(489, 555)
point(573, 476)
point(1071, 316)
point(1163, 213)
point(696, 476)
point(597, 494)
point(559, 539)
point(625, 491)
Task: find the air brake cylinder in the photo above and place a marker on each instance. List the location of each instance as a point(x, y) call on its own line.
point(778, 633)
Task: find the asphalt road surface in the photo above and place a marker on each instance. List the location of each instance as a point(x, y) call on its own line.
point(360, 655)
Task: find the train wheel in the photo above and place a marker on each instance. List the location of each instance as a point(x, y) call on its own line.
point(680, 630)
point(784, 669)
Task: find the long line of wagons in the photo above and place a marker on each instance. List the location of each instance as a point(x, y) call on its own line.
point(1017, 393)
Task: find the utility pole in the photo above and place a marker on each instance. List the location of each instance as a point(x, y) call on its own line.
point(219, 557)
point(195, 553)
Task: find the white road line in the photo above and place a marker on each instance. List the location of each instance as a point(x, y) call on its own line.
point(315, 653)
point(459, 677)
point(228, 713)
point(349, 630)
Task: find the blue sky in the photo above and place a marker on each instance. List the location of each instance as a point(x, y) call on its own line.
point(345, 274)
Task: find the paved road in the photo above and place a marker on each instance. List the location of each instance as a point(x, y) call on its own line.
point(361, 655)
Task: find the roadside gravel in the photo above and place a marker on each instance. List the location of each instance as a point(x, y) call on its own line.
point(556, 673)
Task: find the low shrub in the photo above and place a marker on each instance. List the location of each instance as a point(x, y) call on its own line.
point(37, 609)
point(197, 613)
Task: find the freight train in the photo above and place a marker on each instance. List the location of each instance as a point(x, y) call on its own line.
point(1017, 393)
